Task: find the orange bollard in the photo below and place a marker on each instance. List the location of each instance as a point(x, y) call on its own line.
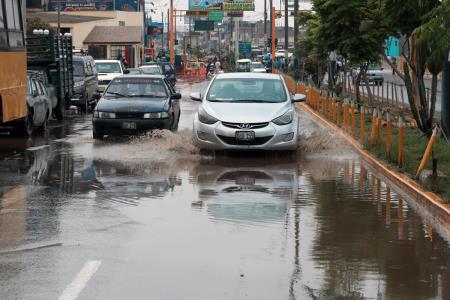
point(345, 111)
point(427, 153)
point(338, 114)
point(401, 137)
point(353, 111)
point(379, 126)
point(388, 135)
point(362, 126)
point(374, 127)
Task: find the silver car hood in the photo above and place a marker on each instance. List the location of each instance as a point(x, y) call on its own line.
point(246, 112)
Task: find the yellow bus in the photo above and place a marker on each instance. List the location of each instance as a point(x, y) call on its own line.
point(13, 62)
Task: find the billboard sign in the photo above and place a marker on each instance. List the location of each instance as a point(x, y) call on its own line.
point(93, 5)
point(155, 28)
point(203, 25)
point(248, 5)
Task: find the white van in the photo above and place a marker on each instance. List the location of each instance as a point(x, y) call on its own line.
point(107, 71)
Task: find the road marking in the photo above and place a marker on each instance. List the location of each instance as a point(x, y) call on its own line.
point(79, 282)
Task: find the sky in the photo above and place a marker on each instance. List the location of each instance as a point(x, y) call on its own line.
point(258, 14)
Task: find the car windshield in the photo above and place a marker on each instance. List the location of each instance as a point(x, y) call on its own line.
point(375, 67)
point(108, 67)
point(78, 69)
point(153, 70)
point(136, 87)
point(257, 65)
point(247, 90)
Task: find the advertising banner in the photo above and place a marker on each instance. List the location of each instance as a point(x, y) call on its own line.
point(155, 28)
point(93, 5)
point(248, 5)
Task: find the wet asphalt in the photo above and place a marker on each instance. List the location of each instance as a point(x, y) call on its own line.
point(153, 218)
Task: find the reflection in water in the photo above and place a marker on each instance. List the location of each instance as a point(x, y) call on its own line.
point(363, 239)
point(246, 192)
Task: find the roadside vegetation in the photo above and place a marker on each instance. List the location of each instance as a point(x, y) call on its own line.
point(355, 31)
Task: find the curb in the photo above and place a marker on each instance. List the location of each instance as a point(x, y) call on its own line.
point(428, 200)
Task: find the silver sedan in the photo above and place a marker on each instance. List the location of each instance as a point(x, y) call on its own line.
point(245, 111)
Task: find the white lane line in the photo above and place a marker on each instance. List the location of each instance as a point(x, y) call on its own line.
point(79, 282)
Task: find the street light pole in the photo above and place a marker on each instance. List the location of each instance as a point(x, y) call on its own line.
point(58, 31)
point(171, 35)
point(286, 33)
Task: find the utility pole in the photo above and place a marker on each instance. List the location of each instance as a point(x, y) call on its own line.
point(172, 35)
point(236, 48)
point(162, 35)
point(272, 21)
point(286, 34)
point(295, 30)
point(265, 24)
point(58, 31)
point(169, 23)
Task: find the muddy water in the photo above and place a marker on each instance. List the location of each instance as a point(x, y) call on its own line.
point(168, 222)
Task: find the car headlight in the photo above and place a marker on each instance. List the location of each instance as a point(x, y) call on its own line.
point(284, 119)
point(78, 84)
point(158, 115)
point(104, 115)
point(205, 118)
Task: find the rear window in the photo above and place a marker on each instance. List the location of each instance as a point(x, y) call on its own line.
point(137, 87)
point(108, 67)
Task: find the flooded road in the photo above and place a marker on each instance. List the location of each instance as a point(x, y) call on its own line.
point(153, 218)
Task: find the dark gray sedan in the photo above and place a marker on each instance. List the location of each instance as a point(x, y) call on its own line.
point(136, 103)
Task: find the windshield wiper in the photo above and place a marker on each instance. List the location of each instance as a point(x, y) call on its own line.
point(118, 94)
point(254, 101)
point(149, 96)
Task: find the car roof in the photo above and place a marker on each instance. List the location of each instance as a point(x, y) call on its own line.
point(149, 66)
point(248, 75)
point(142, 76)
point(244, 60)
point(107, 60)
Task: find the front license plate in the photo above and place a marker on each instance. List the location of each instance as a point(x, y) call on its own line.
point(128, 125)
point(245, 135)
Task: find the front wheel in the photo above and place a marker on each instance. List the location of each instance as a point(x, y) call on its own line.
point(27, 125)
point(60, 110)
point(97, 136)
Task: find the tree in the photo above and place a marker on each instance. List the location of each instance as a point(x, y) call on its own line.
point(351, 28)
point(426, 26)
point(37, 23)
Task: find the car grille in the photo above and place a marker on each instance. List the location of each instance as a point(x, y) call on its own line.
point(104, 82)
point(245, 125)
point(130, 115)
point(256, 142)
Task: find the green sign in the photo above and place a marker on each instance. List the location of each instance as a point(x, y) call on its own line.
point(250, 6)
point(201, 25)
point(245, 48)
point(215, 16)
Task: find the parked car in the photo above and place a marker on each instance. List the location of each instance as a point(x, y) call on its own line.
point(85, 82)
point(375, 74)
point(244, 111)
point(136, 103)
point(38, 103)
point(108, 70)
point(167, 69)
point(258, 67)
point(151, 70)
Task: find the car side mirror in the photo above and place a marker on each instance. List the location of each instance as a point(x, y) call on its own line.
point(196, 96)
point(175, 96)
point(97, 96)
point(299, 98)
point(126, 71)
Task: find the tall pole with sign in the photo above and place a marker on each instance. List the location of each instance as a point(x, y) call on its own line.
point(172, 36)
point(272, 22)
point(236, 49)
point(286, 34)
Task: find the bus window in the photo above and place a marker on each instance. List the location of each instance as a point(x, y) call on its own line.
point(13, 23)
point(3, 39)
